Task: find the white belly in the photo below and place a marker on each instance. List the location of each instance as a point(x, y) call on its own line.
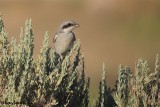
point(63, 43)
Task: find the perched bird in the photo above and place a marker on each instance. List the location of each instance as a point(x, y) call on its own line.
point(64, 38)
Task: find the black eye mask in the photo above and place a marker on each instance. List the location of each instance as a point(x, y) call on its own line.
point(67, 25)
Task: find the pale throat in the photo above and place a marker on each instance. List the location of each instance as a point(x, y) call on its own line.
point(68, 30)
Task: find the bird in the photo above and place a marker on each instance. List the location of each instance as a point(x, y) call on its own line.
point(64, 37)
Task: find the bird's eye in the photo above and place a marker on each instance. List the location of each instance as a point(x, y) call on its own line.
point(66, 26)
point(69, 24)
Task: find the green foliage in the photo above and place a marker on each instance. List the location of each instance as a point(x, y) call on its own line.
point(42, 82)
point(105, 97)
point(49, 82)
point(122, 88)
point(139, 90)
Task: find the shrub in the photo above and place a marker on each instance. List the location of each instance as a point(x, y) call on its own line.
point(139, 90)
point(105, 93)
point(49, 82)
point(42, 82)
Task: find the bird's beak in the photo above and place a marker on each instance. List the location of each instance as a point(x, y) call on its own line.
point(77, 25)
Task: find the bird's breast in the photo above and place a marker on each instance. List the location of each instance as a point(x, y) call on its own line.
point(63, 43)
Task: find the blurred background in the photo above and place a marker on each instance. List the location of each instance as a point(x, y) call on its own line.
point(111, 31)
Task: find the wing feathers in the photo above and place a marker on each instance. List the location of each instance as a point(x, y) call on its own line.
point(55, 37)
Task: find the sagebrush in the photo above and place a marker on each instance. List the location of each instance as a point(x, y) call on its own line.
point(45, 81)
point(49, 82)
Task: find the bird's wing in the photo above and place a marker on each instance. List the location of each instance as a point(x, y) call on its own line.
point(74, 37)
point(55, 37)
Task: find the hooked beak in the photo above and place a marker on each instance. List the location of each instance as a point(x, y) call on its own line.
point(76, 25)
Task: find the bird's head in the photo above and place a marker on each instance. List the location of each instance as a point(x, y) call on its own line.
point(68, 26)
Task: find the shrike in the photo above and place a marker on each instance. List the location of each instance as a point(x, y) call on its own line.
point(64, 38)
